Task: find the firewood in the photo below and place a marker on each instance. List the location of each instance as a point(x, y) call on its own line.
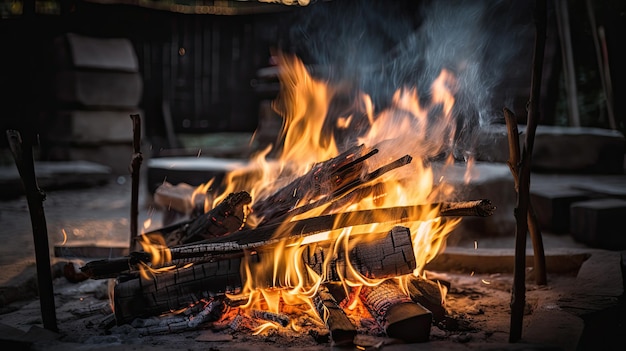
point(396, 313)
point(342, 331)
point(427, 293)
point(350, 193)
point(139, 296)
point(227, 217)
point(238, 241)
point(381, 255)
point(324, 178)
point(176, 289)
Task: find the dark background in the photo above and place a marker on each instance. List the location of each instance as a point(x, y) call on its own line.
point(214, 86)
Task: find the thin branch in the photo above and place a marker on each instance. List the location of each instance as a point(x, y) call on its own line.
point(518, 294)
point(533, 226)
point(25, 165)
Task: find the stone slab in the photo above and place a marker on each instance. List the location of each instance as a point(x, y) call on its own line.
point(578, 150)
point(190, 170)
point(599, 223)
point(92, 127)
point(115, 156)
point(552, 206)
point(54, 175)
point(84, 52)
point(559, 149)
point(99, 89)
point(491, 261)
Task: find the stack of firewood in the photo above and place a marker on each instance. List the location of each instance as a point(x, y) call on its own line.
point(205, 253)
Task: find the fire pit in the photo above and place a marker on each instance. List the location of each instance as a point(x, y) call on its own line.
point(333, 242)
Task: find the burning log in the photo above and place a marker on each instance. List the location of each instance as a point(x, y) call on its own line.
point(427, 293)
point(324, 178)
point(227, 217)
point(396, 313)
point(342, 331)
point(235, 243)
point(388, 256)
point(167, 291)
point(352, 192)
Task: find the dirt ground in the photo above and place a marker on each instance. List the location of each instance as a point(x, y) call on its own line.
point(558, 314)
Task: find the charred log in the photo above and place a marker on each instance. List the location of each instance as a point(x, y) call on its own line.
point(227, 217)
point(427, 293)
point(324, 178)
point(396, 313)
point(236, 242)
point(142, 296)
point(342, 331)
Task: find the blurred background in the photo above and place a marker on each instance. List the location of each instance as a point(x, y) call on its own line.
point(201, 75)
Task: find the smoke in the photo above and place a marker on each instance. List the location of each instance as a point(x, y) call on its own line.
point(383, 45)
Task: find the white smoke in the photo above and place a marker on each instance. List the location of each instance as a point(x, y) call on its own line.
point(384, 45)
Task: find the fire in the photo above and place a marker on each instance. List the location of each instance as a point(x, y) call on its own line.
point(277, 278)
point(404, 127)
point(160, 254)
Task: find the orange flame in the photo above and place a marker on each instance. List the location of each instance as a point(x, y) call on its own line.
point(407, 126)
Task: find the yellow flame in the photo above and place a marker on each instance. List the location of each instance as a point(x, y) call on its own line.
point(409, 125)
point(160, 254)
point(263, 327)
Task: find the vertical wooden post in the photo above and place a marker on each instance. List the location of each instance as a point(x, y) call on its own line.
point(135, 166)
point(24, 161)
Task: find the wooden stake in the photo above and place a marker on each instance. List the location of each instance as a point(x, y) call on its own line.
point(135, 165)
point(539, 257)
point(518, 294)
point(25, 165)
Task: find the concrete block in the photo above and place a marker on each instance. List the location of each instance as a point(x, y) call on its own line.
point(558, 149)
point(552, 206)
point(54, 175)
point(599, 223)
point(99, 89)
point(91, 127)
point(578, 150)
point(74, 51)
point(190, 170)
point(115, 156)
point(492, 144)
